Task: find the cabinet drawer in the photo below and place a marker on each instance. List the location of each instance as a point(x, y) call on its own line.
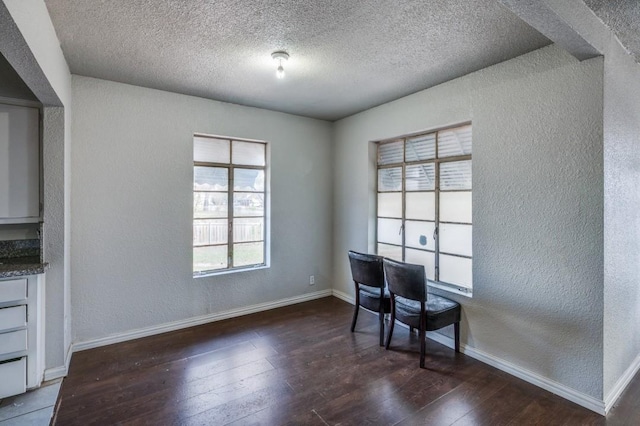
point(13, 317)
point(14, 377)
point(14, 341)
point(12, 290)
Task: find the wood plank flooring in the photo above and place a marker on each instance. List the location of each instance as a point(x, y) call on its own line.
point(300, 365)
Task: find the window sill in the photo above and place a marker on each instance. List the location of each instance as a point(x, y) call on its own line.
point(462, 291)
point(229, 271)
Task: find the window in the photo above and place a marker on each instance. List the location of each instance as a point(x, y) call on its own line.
point(229, 193)
point(424, 204)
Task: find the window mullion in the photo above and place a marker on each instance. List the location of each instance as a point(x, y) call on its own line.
point(230, 219)
point(404, 209)
point(437, 214)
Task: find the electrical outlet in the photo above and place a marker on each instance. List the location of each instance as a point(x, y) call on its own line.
point(312, 280)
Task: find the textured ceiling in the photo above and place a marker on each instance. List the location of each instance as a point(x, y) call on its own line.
point(346, 56)
point(623, 17)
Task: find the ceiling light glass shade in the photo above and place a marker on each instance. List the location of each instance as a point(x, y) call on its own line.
point(280, 56)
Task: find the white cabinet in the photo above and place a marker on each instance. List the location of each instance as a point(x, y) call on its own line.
point(19, 164)
point(21, 334)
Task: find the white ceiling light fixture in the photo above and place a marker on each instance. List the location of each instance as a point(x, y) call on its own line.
point(279, 56)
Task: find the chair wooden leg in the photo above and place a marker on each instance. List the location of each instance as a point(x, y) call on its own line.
point(355, 317)
point(381, 317)
point(423, 345)
point(392, 321)
point(423, 337)
point(355, 312)
point(456, 332)
point(390, 333)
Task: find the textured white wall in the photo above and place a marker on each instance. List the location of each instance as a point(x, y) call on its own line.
point(621, 140)
point(537, 206)
point(32, 19)
point(622, 217)
point(11, 85)
point(132, 207)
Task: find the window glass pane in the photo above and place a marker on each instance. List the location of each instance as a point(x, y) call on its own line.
point(210, 179)
point(210, 231)
point(420, 234)
point(390, 204)
point(391, 152)
point(390, 179)
point(455, 206)
point(210, 204)
point(421, 205)
point(248, 254)
point(456, 270)
point(421, 177)
point(392, 252)
point(455, 239)
point(210, 150)
point(209, 258)
point(454, 142)
point(248, 180)
point(421, 147)
point(248, 204)
point(424, 258)
point(248, 229)
point(389, 231)
point(455, 175)
point(248, 153)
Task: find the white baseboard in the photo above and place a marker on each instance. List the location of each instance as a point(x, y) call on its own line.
point(190, 322)
point(545, 383)
point(55, 373)
point(552, 386)
point(61, 371)
point(622, 384)
point(343, 296)
point(587, 401)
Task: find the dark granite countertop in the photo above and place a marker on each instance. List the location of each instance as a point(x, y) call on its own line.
point(21, 257)
point(19, 266)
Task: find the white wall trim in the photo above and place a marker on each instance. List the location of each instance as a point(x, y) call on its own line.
point(343, 296)
point(552, 386)
point(199, 320)
point(622, 384)
point(55, 373)
point(61, 371)
point(587, 401)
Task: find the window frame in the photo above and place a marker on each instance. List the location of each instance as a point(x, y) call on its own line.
point(230, 218)
point(437, 162)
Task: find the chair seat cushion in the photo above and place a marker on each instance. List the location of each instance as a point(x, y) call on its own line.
point(370, 298)
point(440, 311)
point(372, 291)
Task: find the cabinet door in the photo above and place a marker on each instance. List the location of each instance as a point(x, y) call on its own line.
point(19, 164)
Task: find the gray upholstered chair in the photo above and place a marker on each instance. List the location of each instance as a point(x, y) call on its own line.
point(371, 294)
point(415, 307)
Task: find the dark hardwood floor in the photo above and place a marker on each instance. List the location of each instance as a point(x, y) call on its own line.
point(301, 365)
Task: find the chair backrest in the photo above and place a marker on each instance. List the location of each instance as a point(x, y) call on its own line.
point(405, 279)
point(366, 269)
